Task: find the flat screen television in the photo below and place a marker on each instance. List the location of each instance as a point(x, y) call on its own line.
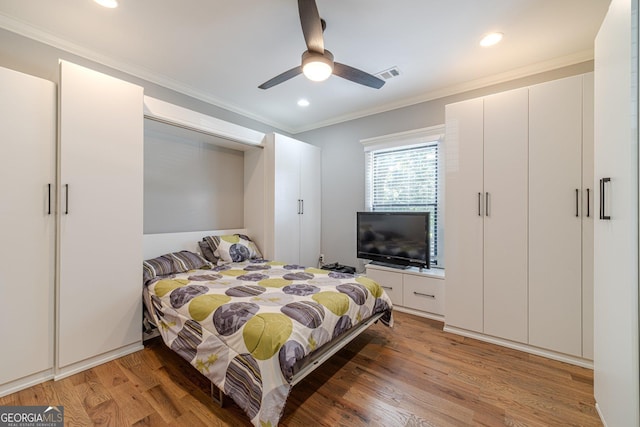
point(397, 239)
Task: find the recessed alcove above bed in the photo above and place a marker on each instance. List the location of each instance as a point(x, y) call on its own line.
point(193, 169)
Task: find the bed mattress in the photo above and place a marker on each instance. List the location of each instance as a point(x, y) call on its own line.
point(246, 326)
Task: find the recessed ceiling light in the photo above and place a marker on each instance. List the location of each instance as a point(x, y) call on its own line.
point(303, 103)
point(491, 39)
point(108, 3)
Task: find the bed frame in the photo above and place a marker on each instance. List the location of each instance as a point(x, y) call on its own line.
point(155, 245)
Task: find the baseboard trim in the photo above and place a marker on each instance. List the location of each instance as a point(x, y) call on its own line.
point(419, 313)
point(83, 365)
point(26, 382)
point(578, 361)
point(604, 423)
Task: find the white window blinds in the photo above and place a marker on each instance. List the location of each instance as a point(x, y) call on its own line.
point(406, 177)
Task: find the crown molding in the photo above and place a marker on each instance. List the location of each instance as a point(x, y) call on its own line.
point(541, 67)
point(32, 32)
point(40, 35)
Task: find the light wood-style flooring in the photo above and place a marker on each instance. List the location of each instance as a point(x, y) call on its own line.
point(412, 375)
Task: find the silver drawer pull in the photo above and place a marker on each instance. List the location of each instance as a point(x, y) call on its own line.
point(387, 287)
point(425, 295)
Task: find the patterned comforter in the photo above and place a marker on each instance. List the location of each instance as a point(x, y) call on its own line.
point(244, 325)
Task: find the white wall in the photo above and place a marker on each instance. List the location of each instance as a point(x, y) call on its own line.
point(189, 183)
point(343, 158)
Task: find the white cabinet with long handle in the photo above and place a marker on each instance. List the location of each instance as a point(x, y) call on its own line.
point(100, 222)
point(505, 215)
point(486, 234)
point(616, 333)
point(556, 214)
point(282, 203)
point(519, 208)
point(27, 229)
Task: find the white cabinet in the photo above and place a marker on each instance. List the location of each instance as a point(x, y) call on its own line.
point(415, 291)
point(27, 209)
point(391, 282)
point(464, 217)
point(100, 221)
point(518, 238)
point(505, 215)
point(282, 199)
point(616, 356)
point(486, 215)
point(557, 208)
point(588, 215)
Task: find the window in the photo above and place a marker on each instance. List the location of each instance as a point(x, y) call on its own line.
point(403, 173)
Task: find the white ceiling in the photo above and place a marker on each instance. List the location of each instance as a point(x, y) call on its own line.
point(219, 51)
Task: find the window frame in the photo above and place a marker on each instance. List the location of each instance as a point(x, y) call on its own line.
point(417, 137)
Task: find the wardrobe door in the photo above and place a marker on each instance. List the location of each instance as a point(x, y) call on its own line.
point(505, 219)
point(27, 229)
point(464, 214)
point(100, 248)
point(310, 194)
point(616, 357)
point(555, 215)
point(588, 215)
point(287, 202)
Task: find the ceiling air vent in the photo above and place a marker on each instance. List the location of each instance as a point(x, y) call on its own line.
point(389, 74)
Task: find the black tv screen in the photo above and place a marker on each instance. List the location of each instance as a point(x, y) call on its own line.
point(394, 238)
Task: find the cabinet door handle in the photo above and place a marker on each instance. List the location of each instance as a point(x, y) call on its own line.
point(588, 203)
point(603, 214)
point(66, 199)
point(302, 206)
point(479, 204)
point(387, 287)
point(298, 206)
point(48, 199)
point(424, 295)
point(486, 203)
point(577, 202)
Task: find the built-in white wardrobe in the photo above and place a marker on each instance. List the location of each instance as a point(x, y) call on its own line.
point(27, 229)
point(486, 215)
point(100, 171)
point(282, 199)
point(616, 378)
point(79, 293)
point(561, 214)
point(519, 218)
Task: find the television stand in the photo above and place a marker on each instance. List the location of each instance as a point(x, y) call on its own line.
point(411, 290)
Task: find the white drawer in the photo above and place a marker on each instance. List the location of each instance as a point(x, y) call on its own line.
point(391, 283)
point(424, 293)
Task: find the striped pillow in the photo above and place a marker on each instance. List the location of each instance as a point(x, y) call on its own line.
point(176, 262)
point(185, 261)
point(159, 266)
point(207, 247)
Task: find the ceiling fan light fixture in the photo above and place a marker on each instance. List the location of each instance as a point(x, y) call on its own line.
point(317, 66)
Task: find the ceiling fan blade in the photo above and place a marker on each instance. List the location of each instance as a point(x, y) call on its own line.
point(357, 76)
point(289, 74)
point(311, 25)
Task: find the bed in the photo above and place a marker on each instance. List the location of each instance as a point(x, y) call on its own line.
point(254, 327)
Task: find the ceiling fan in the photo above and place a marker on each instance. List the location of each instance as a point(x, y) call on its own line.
point(317, 62)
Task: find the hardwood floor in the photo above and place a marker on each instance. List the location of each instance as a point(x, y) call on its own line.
point(412, 375)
